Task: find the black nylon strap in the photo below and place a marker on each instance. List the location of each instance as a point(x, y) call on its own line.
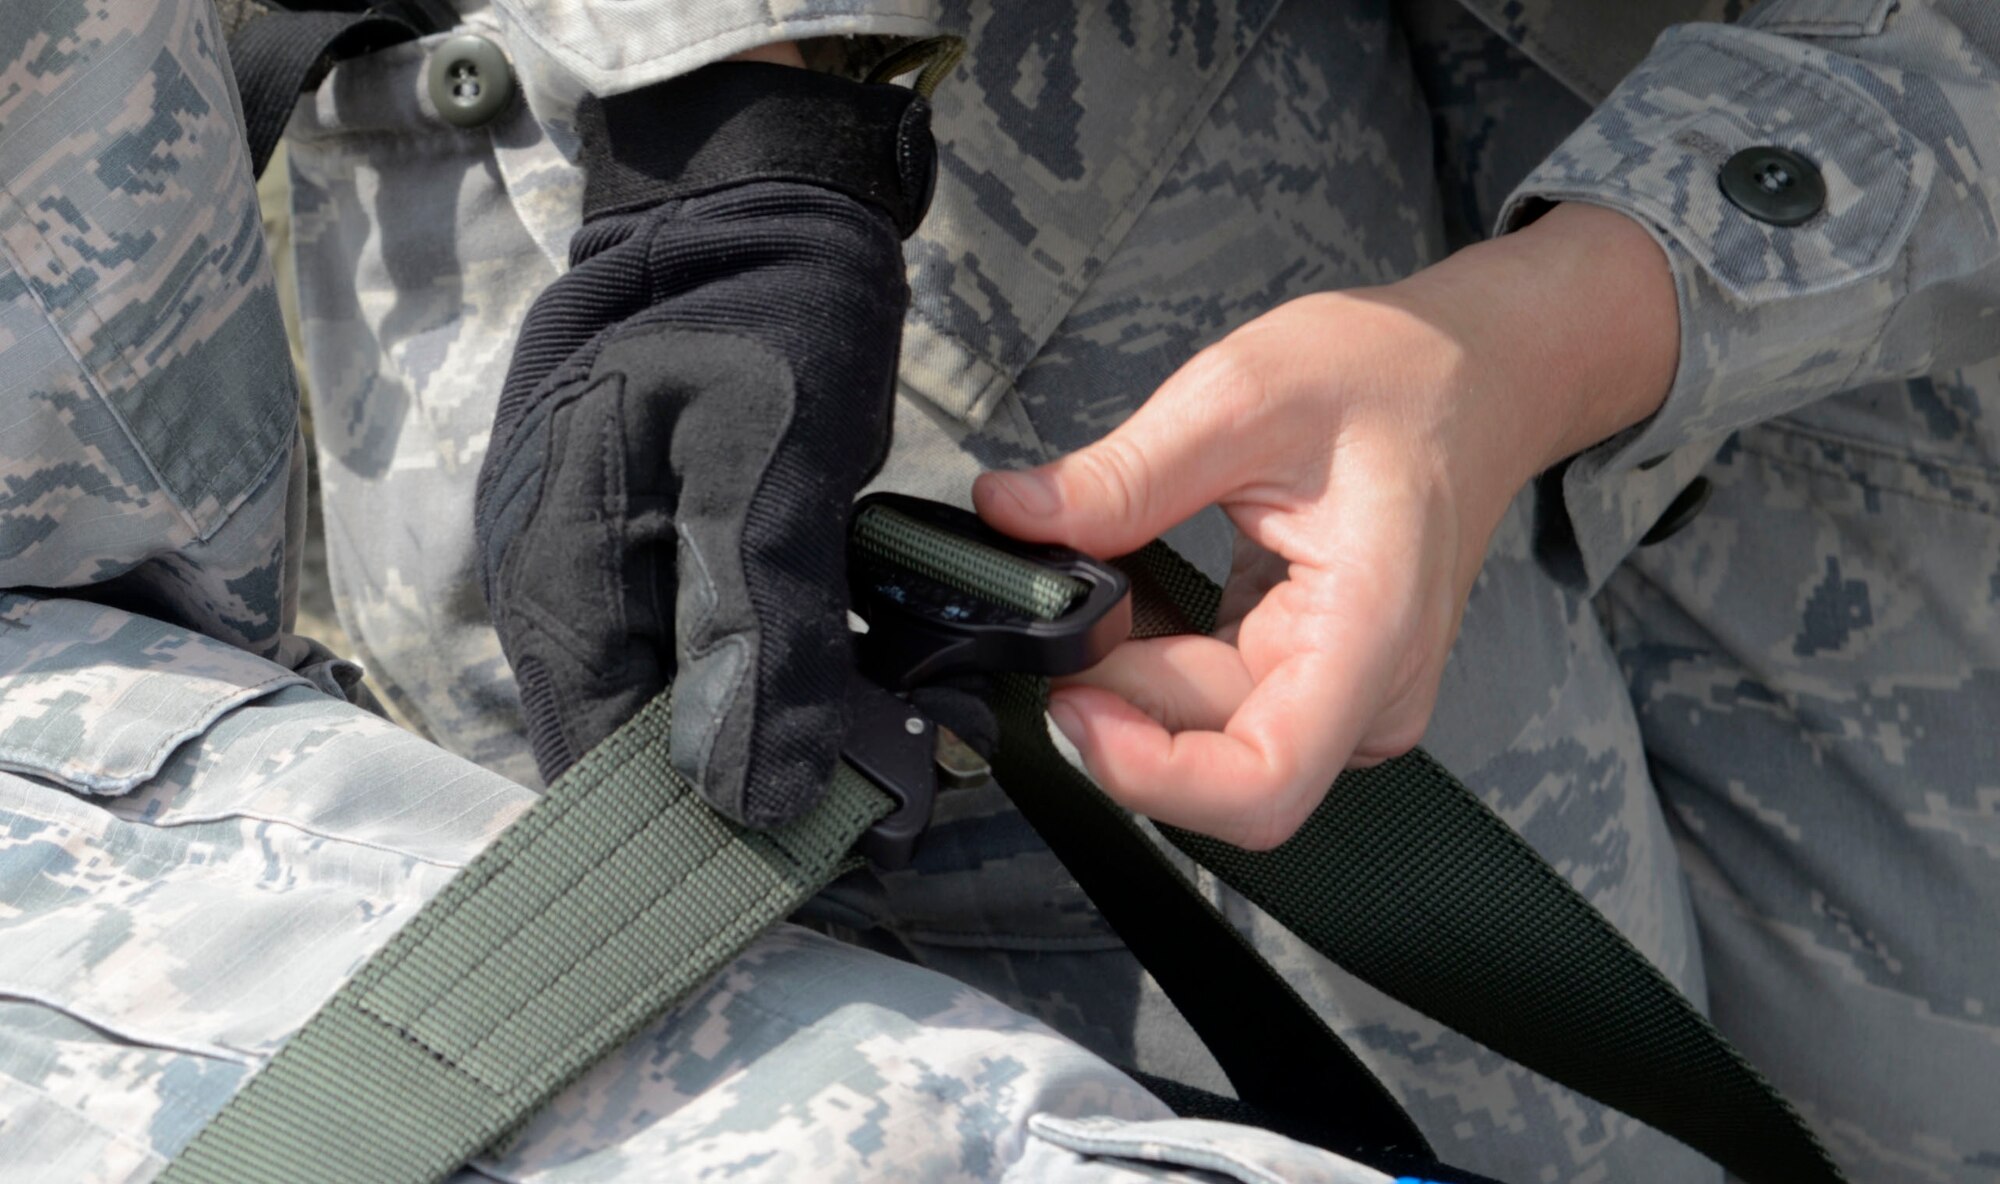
point(282, 54)
point(1405, 879)
point(1285, 1063)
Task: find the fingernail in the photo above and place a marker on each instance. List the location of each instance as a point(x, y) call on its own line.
point(1031, 491)
point(1068, 722)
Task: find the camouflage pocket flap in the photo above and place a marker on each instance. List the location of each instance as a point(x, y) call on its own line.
point(1822, 18)
point(97, 699)
point(1188, 1149)
point(1657, 148)
point(610, 48)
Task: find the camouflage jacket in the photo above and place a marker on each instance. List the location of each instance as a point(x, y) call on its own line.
point(1893, 100)
point(1897, 276)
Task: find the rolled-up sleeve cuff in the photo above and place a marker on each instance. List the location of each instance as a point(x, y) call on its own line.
point(1771, 316)
point(610, 49)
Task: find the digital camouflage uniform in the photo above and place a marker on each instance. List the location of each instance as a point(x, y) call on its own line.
point(1758, 746)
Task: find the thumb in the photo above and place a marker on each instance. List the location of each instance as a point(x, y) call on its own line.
point(1180, 452)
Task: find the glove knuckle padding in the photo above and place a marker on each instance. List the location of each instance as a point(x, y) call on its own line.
point(585, 632)
point(790, 420)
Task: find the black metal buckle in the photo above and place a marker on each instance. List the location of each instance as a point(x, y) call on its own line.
point(892, 744)
point(922, 630)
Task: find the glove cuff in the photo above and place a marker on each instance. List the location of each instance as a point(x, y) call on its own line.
point(736, 122)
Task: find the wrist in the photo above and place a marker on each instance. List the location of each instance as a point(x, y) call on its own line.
point(1569, 328)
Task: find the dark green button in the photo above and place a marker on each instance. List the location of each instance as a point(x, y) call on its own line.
point(470, 80)
point(1680, 512)
point(1774, 185)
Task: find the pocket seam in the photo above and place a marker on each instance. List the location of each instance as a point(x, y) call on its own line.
point(1181, 1152)
point(123, 1035)
point(277, 411)
point(31, 763)
point(1855, 18)
point(1900, 462)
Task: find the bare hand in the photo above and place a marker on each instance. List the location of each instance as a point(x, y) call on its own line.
point(1366, 445)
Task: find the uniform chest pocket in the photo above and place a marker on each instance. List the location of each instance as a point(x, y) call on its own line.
point(96, 699)
point(1822, 18)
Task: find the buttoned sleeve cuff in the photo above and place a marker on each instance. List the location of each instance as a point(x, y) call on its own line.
point(1771, 316)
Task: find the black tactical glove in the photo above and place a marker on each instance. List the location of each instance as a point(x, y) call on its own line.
point(691, 410)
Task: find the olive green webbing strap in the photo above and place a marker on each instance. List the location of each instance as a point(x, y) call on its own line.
point(621, 891)
point(984, 571)
point(615, 895)
point(1405, 879)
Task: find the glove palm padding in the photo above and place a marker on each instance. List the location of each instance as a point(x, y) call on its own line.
point(690, 412)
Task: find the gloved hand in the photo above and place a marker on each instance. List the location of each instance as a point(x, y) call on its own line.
point(689, 413)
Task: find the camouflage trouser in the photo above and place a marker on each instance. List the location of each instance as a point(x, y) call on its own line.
point(1780, 709)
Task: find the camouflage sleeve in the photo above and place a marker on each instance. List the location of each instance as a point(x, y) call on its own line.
point(148, 416)
point(564, 48)
point(1894, 107)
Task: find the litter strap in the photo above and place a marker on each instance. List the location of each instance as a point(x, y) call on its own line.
point(620, 891)
point(1405, 879)
point(615, 895)
point(1285, 1064)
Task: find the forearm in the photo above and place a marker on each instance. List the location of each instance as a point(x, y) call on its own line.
point(1570, 323)
point(1537, 346)
point(1365, 443)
